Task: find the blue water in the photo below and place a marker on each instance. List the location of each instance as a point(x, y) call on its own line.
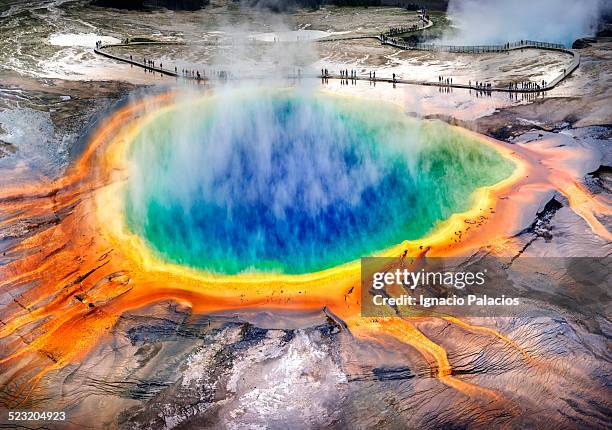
point(284, 183)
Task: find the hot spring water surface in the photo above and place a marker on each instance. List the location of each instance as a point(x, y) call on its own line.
point(290, 183)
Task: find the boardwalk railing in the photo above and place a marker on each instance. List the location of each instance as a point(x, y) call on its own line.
point(480, 49)
point(424, 23)
point(470, 49)
point(400, 43)
point(406, 29)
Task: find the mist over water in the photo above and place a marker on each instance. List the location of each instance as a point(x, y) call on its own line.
point(291, 181)
point(500, 21)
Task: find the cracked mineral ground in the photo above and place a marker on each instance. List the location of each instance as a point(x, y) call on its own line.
point(187, 188)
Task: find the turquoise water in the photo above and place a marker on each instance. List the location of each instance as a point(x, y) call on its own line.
point(277, 181)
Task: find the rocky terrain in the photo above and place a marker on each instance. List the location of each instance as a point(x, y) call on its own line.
point(166, 367)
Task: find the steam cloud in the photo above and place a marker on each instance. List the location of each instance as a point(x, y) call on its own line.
point(500, 21)
point(258, 178)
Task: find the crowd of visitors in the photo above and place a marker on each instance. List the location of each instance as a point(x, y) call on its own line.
point(346, 75)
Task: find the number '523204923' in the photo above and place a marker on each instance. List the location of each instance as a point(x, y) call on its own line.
point(37, 416)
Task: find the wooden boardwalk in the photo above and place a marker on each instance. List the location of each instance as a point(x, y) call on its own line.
point(482, 49)
point(394, 41)
point(100, 50)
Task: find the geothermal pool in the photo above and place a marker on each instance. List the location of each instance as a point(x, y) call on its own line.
point(279, 181)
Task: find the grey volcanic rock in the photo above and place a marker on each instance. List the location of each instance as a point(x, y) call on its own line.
point(6, 149)
point(58, 116)
point(248, 376)
point(585, 42)
point(176, 370)
point(166, 368)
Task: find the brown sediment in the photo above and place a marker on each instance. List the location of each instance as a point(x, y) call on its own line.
point(70, 280)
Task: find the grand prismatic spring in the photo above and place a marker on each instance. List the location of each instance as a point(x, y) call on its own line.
point(320, 181)
point(218, 216)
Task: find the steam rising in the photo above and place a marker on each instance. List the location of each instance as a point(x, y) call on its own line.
point(500, 21)
point(256, 176)
point(286, 180)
